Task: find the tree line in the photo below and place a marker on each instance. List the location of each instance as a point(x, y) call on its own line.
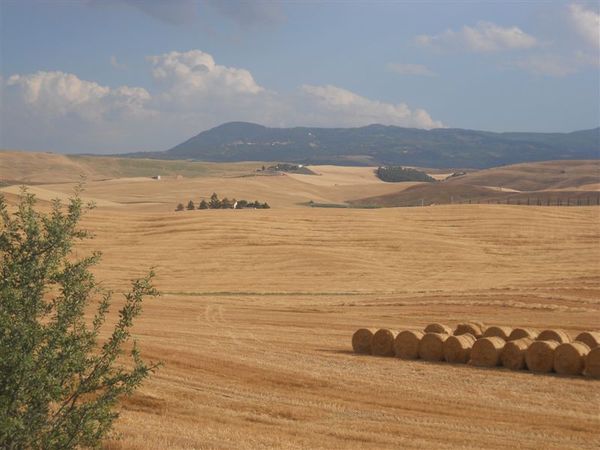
point(395, 174)
point(216, 203)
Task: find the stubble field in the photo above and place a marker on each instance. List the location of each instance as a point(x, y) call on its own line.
point(259, 306)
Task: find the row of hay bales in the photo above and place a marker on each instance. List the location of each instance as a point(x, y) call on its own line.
point(474, 343)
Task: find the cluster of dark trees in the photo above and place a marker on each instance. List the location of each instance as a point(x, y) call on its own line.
point(216, 203)
point(395, 174)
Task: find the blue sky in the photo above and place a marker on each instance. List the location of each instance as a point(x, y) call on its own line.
point(123, 75)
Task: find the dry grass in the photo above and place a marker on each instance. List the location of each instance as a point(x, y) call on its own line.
point(258, 309)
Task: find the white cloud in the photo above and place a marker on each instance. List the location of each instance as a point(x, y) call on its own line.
point(192, 93)
point(336, 106)
point(411, 69)
point(548, 65)
point(556, 65)
point(483, 37)
point(189, 76)
point(586, 23)
point(60, 94)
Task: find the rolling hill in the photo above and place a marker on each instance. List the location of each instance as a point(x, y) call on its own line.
point(555, 181)
point(379, 144)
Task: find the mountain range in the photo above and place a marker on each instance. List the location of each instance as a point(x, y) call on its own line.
point(381, 144)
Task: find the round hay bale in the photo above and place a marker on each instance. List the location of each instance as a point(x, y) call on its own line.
point(569, 358)
point(540, 356)
point(486, 351)
point(457, 349)
point(438, 328)
point(501, 332)
point(520, 333)
point(361, 340)
point(592, 363)
point(513, 354)
point(406, 344)
point(431, 347)
point(589, 338)
point(468, 328)
point(383, 343)
point(559, 336)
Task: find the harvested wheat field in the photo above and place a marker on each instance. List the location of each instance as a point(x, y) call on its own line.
point(258, 308)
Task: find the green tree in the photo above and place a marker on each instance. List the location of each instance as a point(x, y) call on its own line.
point(214, 202)
point(226, 203)
point(58, 386)
point(179, 207)
point(265, 205)
point(203, 204)
point(190, 206)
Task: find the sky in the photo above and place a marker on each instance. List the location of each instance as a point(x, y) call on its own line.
point(113, 76)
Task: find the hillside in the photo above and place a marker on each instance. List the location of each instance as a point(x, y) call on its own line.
point(18, 167)
point(379, 144)
point(565, 181)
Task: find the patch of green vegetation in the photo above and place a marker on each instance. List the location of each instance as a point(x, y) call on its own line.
point(138, 167)
point(397, 174)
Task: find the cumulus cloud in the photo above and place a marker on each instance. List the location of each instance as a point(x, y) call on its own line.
point(483, 37)
point(61, 94)
point(339, 107)
point(60, 111)
point(187, 75)
point(586, 23)
point(192, 93)
point(411, 69)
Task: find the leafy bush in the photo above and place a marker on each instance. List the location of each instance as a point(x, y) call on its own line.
point(58, 386)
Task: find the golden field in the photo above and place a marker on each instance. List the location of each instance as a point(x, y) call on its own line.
point(258, 308)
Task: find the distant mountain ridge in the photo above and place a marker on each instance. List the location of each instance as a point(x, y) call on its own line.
point(381, 144)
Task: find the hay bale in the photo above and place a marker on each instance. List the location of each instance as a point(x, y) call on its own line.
point(592, 363)
point(501, 332)
point(589, 338)
point(559, 336)
point(383, 343)
point(468, 328)
point(520, 333)
point(569, 358)
point(513, 354)
point(438, 328)
point(431, 347)
point(406, 345)
point(457, 349)
point(540, 356)
point(361, 341)
point(486, 351)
